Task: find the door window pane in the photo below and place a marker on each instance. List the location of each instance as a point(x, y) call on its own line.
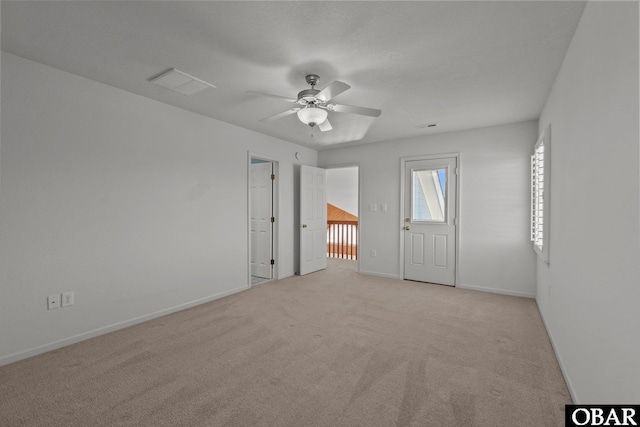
point(429, 195)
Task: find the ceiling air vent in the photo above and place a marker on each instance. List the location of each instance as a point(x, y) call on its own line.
point(181, 82)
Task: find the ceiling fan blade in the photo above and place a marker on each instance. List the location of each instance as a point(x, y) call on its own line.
point(355, 110)
point(325, 126)
point(331, 91)
point(282, 98)
point(280, 115)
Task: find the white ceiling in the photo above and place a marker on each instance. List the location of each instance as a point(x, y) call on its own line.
point(460, 65)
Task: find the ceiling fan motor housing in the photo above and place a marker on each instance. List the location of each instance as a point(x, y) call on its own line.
point(307, 96)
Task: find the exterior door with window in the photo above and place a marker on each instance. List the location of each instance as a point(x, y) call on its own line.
point(430, 220)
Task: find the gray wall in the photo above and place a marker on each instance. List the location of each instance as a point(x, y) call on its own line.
point(138, 207)
point(588, 295)
point(495, 251)
point(342, 188)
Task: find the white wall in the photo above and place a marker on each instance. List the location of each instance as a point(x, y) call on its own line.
point(589, 294)
point(138, 207)
point(495, 253)
point(342, 188)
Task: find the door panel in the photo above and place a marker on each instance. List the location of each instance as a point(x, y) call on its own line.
point(313, 217)
point(417, 249)
point(319, 246)
point(440, 250)
point(430, 230)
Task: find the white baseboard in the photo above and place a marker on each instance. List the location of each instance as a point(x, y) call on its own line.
point(572, 392)
point(5, 360)
point(496, 291)
point(385, 275)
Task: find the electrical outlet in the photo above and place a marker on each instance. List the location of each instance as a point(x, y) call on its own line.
point(67, 299)
point(373, 252)
point(53, 302)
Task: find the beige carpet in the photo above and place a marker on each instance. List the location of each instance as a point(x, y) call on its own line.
point(333, 348)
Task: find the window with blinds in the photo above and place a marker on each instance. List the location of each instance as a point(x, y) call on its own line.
point(539, 196)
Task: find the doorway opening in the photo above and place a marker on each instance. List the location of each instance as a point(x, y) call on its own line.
point(343, 212)
point(262, 194)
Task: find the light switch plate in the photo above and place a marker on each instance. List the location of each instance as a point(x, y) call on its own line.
point(67, 299)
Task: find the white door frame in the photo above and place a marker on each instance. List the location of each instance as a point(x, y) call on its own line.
point(261, 211)
point(275, 233)
point(351, 165)
point(401, 224)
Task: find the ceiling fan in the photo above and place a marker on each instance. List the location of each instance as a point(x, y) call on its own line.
point(313, 105)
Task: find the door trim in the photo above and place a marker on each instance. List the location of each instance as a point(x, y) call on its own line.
point(275, 205)
point(403, 164)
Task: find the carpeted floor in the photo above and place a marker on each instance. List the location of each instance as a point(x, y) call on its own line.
point(333, 348)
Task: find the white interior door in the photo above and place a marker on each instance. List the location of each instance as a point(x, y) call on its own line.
point(313, 219)
point(429, 225)
point(261, 214)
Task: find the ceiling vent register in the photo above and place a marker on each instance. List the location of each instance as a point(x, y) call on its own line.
point(181, 82)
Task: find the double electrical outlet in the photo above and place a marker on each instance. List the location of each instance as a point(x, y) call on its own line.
point(57, 301)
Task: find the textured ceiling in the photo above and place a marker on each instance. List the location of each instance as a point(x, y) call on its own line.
point(459, 65)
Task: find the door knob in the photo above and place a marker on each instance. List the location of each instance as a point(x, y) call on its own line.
point(406, 227)
point(304, 225)
point(407, 220)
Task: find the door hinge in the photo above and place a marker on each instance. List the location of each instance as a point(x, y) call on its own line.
point(273, 219)
point(455, 221)
point(273, 176)
point(457, 171)
point(273, 261)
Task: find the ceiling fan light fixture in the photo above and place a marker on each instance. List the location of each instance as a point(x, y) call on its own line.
point(312, 115)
